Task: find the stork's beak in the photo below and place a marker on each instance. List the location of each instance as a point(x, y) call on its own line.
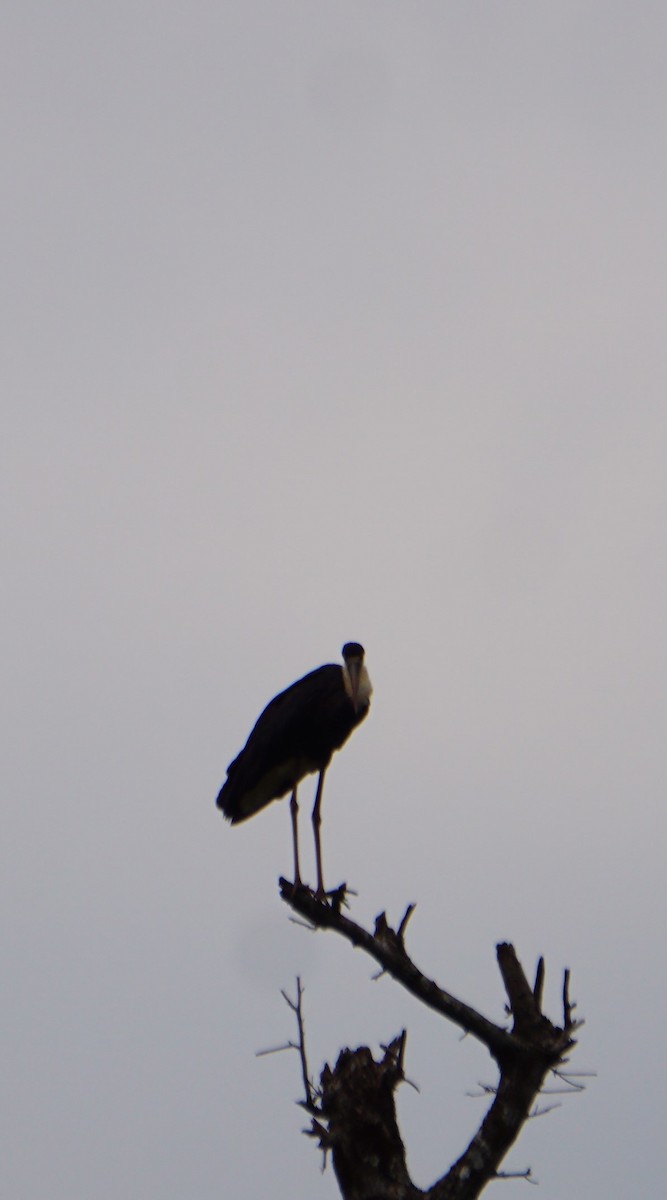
point(354, 673)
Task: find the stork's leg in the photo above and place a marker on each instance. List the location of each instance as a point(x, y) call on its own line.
point(294, 810)
point(317, 821)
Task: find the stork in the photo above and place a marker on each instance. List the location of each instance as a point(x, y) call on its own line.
point(296, 735)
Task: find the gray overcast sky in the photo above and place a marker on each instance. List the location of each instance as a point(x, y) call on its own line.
point(328, 321)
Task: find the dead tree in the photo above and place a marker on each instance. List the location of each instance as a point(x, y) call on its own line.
point(353, 1109)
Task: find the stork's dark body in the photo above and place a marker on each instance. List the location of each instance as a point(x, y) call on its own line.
point(295, 736)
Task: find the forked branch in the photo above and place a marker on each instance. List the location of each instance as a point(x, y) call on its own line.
point(355, 1115)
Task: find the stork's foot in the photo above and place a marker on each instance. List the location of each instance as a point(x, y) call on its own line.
point(335, 898)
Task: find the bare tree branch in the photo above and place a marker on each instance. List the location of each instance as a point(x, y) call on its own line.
point(387, 948)
point(309, 1102)
point(538, 986)
point(356, 1117)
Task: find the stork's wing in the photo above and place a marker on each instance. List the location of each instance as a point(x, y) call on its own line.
point(287, 742)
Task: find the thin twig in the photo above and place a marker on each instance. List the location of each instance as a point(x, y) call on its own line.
point(542, 1110)
point(527, 1175)
point(276, 1049)
point(309, 1103)
point(538, 986)
point(567, 1005)
point(404, 921)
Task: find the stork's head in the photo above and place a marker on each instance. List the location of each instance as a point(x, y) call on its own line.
point(355, 676)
